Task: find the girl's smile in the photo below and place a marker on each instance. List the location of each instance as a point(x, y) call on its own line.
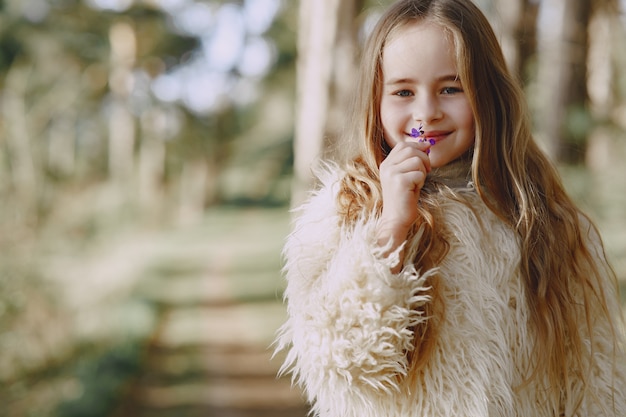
point(422, 92)
point(436, 135)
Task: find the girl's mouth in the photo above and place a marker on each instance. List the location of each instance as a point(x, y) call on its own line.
point(432, 136)
point(435, 136)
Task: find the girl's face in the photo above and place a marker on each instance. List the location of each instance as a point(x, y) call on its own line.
point(421, 88)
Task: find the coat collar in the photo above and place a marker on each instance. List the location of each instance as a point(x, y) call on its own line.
point(456, 174)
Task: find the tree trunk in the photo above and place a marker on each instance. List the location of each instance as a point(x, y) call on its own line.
point(606, 35)
point(565, 119)
point(121, 121)
point(325, 67)
point(576, 100)
point(151, 159)
point(527, 38)
point(24, 171)
point(515, 24)
point(505, 19)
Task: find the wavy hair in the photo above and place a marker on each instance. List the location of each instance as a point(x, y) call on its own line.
point(512, 176)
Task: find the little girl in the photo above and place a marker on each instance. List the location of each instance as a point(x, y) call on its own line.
point(442, 270)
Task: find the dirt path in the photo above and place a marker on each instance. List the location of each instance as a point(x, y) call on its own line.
point(217, 288)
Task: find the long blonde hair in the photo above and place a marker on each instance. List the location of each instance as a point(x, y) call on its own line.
point(512, 176)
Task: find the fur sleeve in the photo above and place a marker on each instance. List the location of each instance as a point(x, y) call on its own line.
point(349, 317)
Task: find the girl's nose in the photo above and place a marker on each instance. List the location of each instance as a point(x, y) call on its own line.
point(426, 108)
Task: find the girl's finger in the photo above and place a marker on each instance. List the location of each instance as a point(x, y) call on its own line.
point(408, 150)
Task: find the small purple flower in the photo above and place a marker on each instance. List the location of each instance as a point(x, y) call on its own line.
point(416, 133)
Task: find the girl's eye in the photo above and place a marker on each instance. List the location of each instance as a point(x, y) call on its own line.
point(403, 93)
point(451, 90)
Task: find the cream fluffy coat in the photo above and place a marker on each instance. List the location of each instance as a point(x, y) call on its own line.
point(349, 317)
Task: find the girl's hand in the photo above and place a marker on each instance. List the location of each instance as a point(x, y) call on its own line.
point(402, 176)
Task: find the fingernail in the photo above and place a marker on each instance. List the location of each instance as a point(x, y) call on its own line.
point(432, 141)
point(427, 151)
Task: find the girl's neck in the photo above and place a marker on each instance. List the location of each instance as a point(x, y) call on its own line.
point(456, 174)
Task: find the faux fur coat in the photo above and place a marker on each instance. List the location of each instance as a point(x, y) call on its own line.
point(349, 320)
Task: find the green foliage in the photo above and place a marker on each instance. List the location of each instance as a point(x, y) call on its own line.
point(9, 48)
point(579, 124)
point(102, 378)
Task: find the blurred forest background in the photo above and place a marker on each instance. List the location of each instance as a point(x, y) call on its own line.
point(150, 151)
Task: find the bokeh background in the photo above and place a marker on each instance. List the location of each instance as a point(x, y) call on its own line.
point(150, 151)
